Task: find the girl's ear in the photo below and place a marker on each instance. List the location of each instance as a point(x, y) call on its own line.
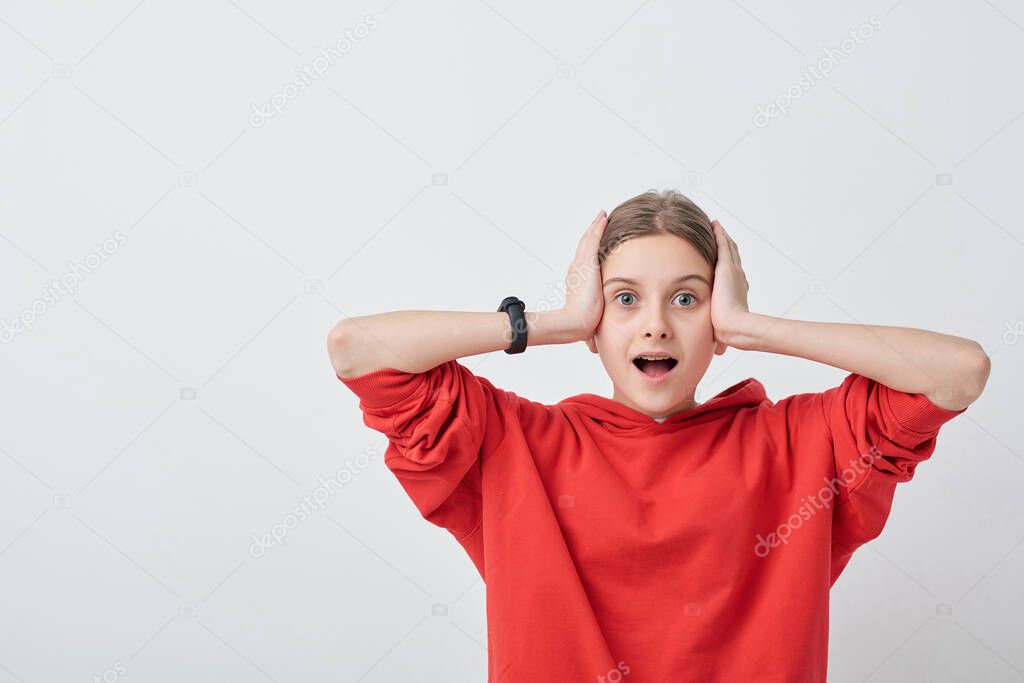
point(720, 348)
point(591, 345)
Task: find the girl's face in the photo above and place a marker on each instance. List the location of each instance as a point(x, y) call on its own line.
point(657, 298)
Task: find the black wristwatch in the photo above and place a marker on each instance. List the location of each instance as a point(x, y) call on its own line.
point(516, 310)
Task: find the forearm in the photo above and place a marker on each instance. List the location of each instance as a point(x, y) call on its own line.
point(416, 341)
point(950, 371)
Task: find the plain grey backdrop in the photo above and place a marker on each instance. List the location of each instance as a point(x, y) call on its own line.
point(181, 224)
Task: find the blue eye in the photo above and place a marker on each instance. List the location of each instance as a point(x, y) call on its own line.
point(618, 297)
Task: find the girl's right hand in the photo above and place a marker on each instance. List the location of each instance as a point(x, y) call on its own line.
point(584, 298)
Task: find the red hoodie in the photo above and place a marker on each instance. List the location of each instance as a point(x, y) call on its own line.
point(619, 549)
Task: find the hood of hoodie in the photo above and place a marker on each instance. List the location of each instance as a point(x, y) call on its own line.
point(620, 418)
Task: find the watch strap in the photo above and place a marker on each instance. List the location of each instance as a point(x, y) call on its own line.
point(516, 310)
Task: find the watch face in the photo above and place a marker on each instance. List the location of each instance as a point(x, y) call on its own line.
point(509, 301)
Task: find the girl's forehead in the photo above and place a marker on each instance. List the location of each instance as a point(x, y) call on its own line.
point(669, 279)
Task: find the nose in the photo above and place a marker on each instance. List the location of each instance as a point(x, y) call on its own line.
point(655, 325)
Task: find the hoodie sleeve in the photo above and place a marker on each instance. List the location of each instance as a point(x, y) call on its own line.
point(440, 424)
point(879, 435)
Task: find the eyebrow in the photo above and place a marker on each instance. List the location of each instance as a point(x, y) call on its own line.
point(684, 278)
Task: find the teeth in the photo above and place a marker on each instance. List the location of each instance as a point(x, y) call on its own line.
point(645, 357)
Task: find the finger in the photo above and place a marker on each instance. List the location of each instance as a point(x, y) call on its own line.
point(724, 250)
point(591, 238)
point(736, 252)
point(734, 249)
point(728, 237)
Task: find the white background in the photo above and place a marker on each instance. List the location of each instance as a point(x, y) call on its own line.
point(181, 399)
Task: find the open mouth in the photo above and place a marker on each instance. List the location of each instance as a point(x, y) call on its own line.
point(654, 365)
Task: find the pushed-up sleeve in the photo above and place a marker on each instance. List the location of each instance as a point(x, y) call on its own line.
point(879, 435)
point(440, 424)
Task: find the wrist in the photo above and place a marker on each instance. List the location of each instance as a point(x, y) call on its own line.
point(743, 329)
point(551, 327)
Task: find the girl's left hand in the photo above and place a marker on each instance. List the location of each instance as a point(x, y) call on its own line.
point(729, 293)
